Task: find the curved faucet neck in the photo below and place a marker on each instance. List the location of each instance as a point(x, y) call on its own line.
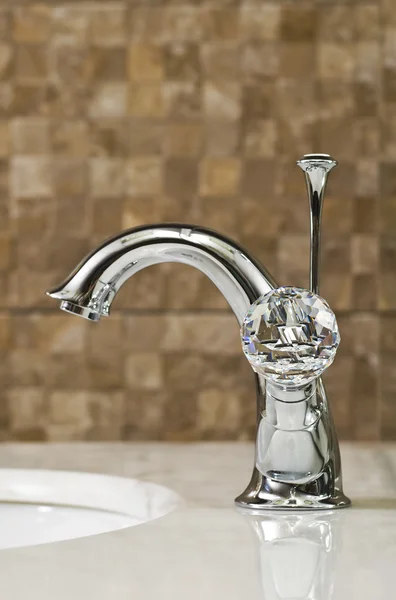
point(92, 286)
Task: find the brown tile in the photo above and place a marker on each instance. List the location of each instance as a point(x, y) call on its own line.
point(108, 25)
point(184, 138)
point(387, 178)
point(366, 99)
point(27, 407)
point(337, 289)
point(336, 61)
point(181, 23)
point(338, 214)
point(387, 214)
point(218, 213)
point(297, 59)
point(31, 63)
point(5, 22)
point(181, 177)
point(107, 216)
point(367, 133)
point(388, 430)
point(30, 136)
point(298, 23)
point(366, 414)
point(70, 177)
point(144, 371)
point(108, 64)
point(260, 22)
point(389, 84)
point(367, 21)
point(144, 416)
point(220, 23)
point(336, 135)
point(145, 24)
point(364, 254)
point(337, 23)
point(220, 176)
point(182, 99)
point(257, 178)
point(260, 138)
point(367, 177)
point(5, 141)
point(31, 24)
point(221, 99)
point(105, 354)
point(141, 137)
point(72, 23)
point(336, 99)
point(365, 292)
point(146, 100)
point(258, 100)
point(221, 137)
point(200, 333)
point(143, 176)
point(106, 177)
point(365, 214)
point(220, 61)
point(70, 137)
point(109, 137)
point(259, 59)
point(6, 61)
point(338, 388)
point(182, 62)
point(31, 176)
point(145, 63)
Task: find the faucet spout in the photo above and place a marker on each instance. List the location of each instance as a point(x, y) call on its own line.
point(90, 289)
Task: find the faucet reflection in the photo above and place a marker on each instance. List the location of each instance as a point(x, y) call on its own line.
point(297, 553)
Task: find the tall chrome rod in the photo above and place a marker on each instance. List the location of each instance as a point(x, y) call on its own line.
point(316, 168)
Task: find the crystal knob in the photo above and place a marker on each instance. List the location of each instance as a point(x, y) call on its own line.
point(290, 335)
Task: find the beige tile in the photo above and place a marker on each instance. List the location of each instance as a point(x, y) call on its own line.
point(184, 138)
point(5, 142)
point(220, 176)
point(108, 100)
point(143, 176)
point(31, 177)
point(144, 371)
point(32, 24)
point(145, 63)
point(220, 23)
point(260, 22)
point(221, 99)
point(30, 135)
point(146, 100)
point(108, 25)
point(107, 177)
point(182, 99)
point(220, 61)
point(336, 62)
point(31, 63)
point(27, 407)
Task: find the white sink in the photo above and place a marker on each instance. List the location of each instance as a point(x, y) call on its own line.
point(38, 507)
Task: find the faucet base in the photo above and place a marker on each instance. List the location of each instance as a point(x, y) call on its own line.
point(265, 494)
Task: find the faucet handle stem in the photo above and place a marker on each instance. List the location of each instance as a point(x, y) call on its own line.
point(316, 168)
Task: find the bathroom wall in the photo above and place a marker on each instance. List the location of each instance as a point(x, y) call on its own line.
point(115, 114)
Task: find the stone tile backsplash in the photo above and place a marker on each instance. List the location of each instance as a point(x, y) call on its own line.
point(115, 114)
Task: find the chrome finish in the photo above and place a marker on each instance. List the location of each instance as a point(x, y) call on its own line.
point(91, 288)
point(309, 441)
point(316, 168)
point(297, 553)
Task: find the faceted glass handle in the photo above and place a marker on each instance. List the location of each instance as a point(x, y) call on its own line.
point(290, 336)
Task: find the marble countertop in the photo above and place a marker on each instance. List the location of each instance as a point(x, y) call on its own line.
point(206, 549)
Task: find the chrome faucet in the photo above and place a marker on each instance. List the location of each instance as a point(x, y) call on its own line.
point(289, 336)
